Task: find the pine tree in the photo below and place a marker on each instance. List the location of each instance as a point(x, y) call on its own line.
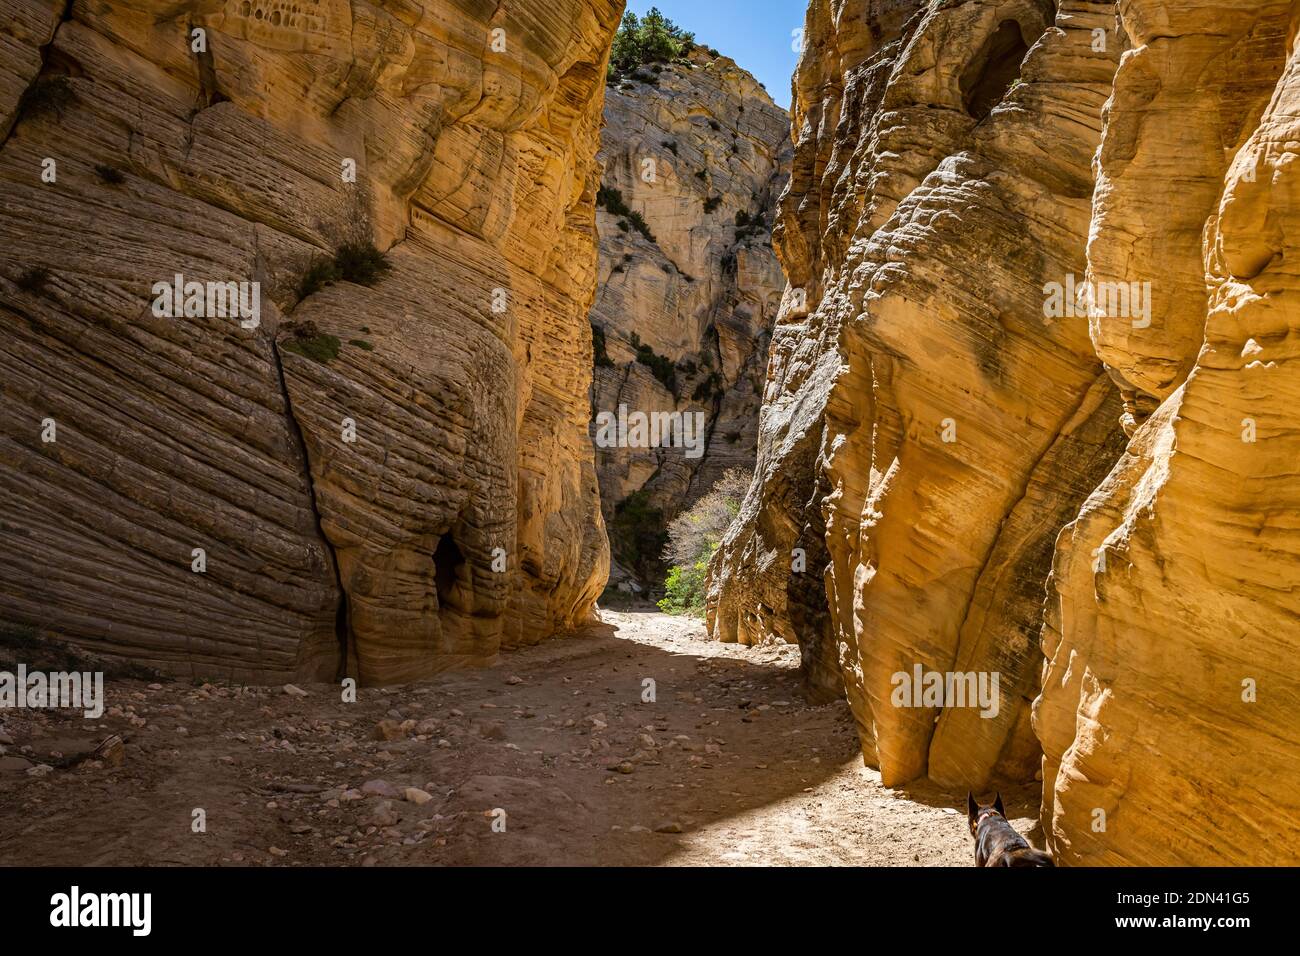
point(626, 53)
point(652, 39)
point(658, 43)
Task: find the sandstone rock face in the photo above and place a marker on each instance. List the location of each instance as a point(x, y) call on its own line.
point(1170, 709)
point(700, 152)
point(943, 448)
point(927, 429)
point(423, 491)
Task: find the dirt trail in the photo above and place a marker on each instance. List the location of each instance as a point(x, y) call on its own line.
point(726, 766)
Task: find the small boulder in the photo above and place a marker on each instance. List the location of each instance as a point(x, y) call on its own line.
point(381, 788)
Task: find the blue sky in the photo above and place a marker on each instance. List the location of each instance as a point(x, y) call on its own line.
point(754, 33)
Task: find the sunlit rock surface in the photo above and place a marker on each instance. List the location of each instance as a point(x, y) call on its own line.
point(941, 438)
point(927, 429)
point(1170, 710)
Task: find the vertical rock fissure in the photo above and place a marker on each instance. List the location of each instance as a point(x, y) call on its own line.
point(448, 562)
point(342, 626)
point(1023, 489)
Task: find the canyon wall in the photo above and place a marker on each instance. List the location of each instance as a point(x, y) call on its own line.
point(1027, 407)
point(927, 429)
point(1170, 709)
point(698, 150)
point(391, 466)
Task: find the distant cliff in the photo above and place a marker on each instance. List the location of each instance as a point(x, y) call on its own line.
point(694, 154)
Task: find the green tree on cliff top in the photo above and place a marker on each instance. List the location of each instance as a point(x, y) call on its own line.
point(650, 39)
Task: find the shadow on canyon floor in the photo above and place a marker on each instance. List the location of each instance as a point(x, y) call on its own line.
point(726, 765)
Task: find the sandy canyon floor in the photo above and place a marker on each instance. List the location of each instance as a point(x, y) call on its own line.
point(552, 757)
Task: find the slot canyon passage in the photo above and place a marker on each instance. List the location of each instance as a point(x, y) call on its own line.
point(998, 316)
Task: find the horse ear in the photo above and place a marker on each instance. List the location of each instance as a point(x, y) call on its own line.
point(997, 805)
point(972, 808)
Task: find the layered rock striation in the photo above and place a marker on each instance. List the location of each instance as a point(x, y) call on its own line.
point(392, 465)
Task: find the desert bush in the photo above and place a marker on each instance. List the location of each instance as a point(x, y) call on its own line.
point(611, 200)
point(684, 590)
point(710, 387)
point(660, 366)
point(640, 225)
point(318, 275)
point(51, 95)
point(361, 262)
point(693, 537)
point(358, 262)
point(307, 340)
